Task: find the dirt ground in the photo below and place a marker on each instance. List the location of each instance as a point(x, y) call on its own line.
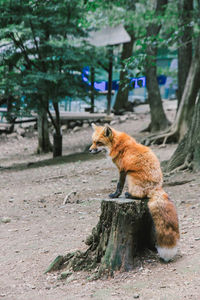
point(35, 226)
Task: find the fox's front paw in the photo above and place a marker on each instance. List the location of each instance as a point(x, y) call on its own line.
point(114, 195)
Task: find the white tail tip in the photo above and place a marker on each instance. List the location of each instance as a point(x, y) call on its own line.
point(167, 254)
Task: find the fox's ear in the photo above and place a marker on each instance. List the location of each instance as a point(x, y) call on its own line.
point(94, 126)
point(107, 131)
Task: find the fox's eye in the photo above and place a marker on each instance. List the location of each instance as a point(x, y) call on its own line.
point(99, 144)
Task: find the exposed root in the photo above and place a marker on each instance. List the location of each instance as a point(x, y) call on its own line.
point(75, 261)
point(174, 183)
point(162, 138)
point(187, 165)
point(178, 169)
point(80, 261)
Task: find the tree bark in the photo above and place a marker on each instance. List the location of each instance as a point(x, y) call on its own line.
point(57, 144)
point(92, 89)
point(158, 118)
point(110, 71)
point(44, 144)
point(185, 9)
point(187, 154)
point(186, 107)
point(57, 137)
point(121, 102)
point(10, 116)
point(124, 229)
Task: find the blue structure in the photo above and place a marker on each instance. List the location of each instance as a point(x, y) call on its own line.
point(135, 82)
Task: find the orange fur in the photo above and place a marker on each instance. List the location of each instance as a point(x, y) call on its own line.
point(144, 177)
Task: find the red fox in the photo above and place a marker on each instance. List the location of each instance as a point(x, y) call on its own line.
point(141, 167)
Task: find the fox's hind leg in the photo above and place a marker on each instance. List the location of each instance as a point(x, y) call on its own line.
point(134, 191)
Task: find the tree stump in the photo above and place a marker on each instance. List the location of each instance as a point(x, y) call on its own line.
point(124, 229)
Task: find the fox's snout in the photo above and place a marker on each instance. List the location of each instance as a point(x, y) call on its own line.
point(94, 150)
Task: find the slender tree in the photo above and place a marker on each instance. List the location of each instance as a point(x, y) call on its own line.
point(185, 9)
point(121, 102)
point(158, 118)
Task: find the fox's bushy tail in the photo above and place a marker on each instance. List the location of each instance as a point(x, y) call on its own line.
point(165, 220)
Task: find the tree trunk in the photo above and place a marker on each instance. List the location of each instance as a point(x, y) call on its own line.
point(57, 144)
point(57, 137)
point(10, 115)
point(158, 118)
point(44, 144)
point(121, 102)
point(187, 154)
point(92, 89)
point(124, 229)
point(185, 8)
point(110, 71)
point(186, 107)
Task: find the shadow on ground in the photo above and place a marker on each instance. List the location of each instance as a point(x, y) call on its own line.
point(75, 157)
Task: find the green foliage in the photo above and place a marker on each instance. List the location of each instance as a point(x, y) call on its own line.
point(168, 37)
point(46, 52)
